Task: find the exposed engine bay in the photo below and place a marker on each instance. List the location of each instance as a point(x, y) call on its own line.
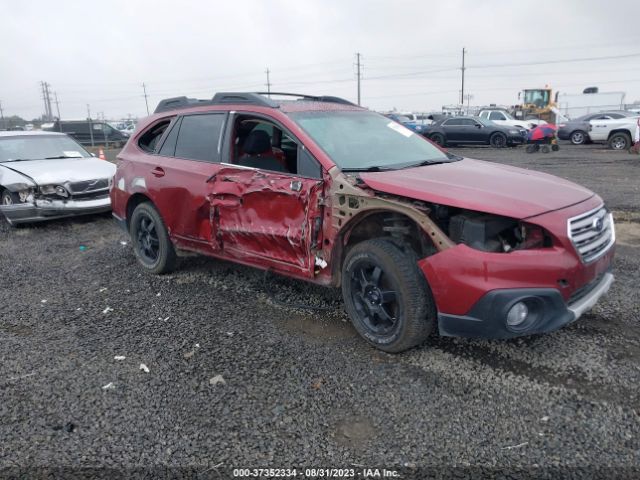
point(487, 232)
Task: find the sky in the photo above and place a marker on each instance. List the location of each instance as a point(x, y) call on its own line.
point(100, 53)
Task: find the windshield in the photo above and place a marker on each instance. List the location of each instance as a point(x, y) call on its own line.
point(361, 140)
point(36, 147)
point(539, 98)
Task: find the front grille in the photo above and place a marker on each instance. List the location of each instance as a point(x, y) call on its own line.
point(88, 186)
point(592, 233)
point(585, 290)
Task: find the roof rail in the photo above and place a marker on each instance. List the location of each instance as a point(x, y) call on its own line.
point(249, 98)
point(314, 98)
point(179, 102)
point(241, 97)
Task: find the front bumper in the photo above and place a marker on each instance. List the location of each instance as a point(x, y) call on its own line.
point(487, 319)
point(515, 139)
point(42, 210)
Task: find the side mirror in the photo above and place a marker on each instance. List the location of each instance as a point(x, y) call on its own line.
point(478, 125)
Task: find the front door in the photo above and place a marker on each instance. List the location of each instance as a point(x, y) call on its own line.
point(266, 218)
point(265, 201)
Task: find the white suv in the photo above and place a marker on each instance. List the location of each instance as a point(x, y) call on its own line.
point(618, 133)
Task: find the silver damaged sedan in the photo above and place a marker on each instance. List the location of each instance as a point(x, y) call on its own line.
point(47, 175)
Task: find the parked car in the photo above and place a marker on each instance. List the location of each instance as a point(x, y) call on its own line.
point(47, 175)
point(504, 118)
point(474, 131)
point(577, 130)
point(617, 133)
point(319, 189)
point(89, 132)
point(414, 125)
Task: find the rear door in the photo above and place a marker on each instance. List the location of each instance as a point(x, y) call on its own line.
point(178, 173)
point(453, 130)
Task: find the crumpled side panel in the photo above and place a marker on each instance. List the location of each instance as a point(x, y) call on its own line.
point(265, 217)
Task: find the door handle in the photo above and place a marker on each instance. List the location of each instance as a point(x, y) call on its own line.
point(158, 172)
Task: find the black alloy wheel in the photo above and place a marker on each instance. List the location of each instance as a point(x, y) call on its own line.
point(386, 295)
point(498, 140)
point(151, 242)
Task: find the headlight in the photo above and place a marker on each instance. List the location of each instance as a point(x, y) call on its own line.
point(54, 190)
point(514, 132)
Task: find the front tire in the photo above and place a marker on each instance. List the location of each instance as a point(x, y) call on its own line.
point(578, 137)
point(387, 296)
point(620, 141)
point(8, 198)
point(438, 139)
point(150, 239)
point(498, 140)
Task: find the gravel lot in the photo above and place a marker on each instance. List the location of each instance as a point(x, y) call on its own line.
point(300, 388)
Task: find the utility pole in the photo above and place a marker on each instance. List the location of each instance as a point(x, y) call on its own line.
point(144, 89)
point(2, 115)
point(268, 82)
point(48, 113)
point(90, 124)
point(463, 69)
point(55, 95)
point(358, 66)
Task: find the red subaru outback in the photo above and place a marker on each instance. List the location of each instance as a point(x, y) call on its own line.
point(319, 189)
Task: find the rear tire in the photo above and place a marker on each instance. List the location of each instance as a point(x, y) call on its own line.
point(498, 140)
point(150, 239)
point(620, 141)
point(578, 137)
point(386, 295)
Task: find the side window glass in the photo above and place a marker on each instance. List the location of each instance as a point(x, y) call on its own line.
point(168, 148)
point(199, 137)
point(149, 139)
point(307, 165)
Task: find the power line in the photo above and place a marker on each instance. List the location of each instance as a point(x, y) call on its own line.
point(548, 62)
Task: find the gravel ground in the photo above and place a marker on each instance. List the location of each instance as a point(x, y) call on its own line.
point(238, 380)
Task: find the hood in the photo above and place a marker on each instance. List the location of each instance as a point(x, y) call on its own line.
point(59, 171)
point(481, 186)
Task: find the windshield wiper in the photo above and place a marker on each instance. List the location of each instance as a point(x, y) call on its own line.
point(373, 168)
point(59, 156)
point(16, 160)
point(450, 156)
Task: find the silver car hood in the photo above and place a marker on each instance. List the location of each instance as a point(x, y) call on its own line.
point(59, 171)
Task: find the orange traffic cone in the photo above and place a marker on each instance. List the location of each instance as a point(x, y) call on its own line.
point(101, 154)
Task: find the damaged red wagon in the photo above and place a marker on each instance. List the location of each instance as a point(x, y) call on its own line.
point(321, 190)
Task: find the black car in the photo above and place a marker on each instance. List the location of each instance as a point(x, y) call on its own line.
point(474, 131)
point(577, 130)
point(90, 132)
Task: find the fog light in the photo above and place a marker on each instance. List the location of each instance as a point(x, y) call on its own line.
point(517, 314)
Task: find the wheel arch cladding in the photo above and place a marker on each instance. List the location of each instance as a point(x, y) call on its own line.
point(135, 200)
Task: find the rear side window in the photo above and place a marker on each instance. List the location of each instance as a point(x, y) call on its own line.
point(453, 122)
point(496, 116)
point(199, 137)
point(149, 139)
